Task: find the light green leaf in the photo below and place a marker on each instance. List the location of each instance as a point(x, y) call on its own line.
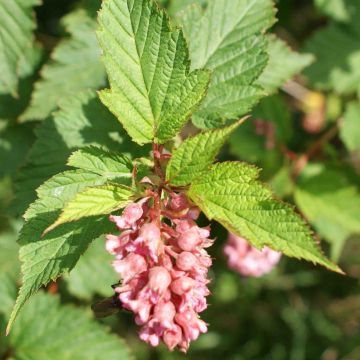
point(282, 183)
point(283, 64)
point(9, 267)
point(341, 72)
point(15, 142)
point(227, 39)
point(9, 249)
point(62, 332)
point(231, 194)
point(331, 202)
point(81, 121)
point(152, 92)
point(11, 106)
point(100, 200)
point(74, 66)
point(56, 192)
point(339, 10)
point(102, 162)
point(44, 258)
point(178, 5)
point(350, 128)
point(95, 264)
point(16, 41)
point(195, 155)
point(8, 292)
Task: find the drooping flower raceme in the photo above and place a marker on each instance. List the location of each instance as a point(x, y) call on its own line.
point(161, 258)
point(247, 260)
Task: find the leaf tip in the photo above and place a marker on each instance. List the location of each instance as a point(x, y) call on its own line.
point(13, 316)
point(338, 270)
point(8, 328)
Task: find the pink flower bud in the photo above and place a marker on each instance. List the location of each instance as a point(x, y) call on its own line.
point(130, 266)
point(178, 202)
point(130, 215)
point(150, 232)
point(150, 236)
point(183, 225)
point(148, 335)
point(164, 313)
point(182, 285)
point(112, 243)
point(189, 240)
point(204, 232)
point(186, 261)
point(173, 337)
point(192, 326)
point(133, 213)
point(193, 213)
point(159, 279)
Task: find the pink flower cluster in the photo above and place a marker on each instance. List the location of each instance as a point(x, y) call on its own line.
point(163, 266)
point(247, 260)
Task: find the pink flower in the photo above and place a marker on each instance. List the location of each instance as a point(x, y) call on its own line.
point(131, 214)
point(247, 260)
point(163, 267)
point(173, 337)
point(130, 265)
point(178, 202)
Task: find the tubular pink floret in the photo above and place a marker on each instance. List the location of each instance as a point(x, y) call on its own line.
point(186, 261)
point(163, 269)
point(179, 202)
point(247, 260)
point(159, 279)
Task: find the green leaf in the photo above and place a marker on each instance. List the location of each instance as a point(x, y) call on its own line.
point(100, 200)
point(11, 107)
point(350, 128)
point(282, 183)
point(178, 5)
point(81, 121)
point(152, 92)
point(9, 252)
point(95, 264)
point(9, 267)
point(195, 155)
point(60, 189)
point(283, 64)
point(331, 202)
point(341, 72)
point(15, 142)
point(340, 10)
point(44, 258)
point(102, 162)
point(8, 292)
point(62, 332)
point(74, 66)
point(231, 194)
point(16, 41)
point(227, 39)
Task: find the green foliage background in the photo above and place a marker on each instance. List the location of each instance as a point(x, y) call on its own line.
point(49, 109)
